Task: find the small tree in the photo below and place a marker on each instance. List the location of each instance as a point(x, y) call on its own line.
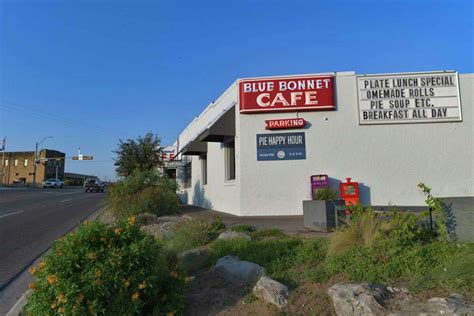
point(141, 154)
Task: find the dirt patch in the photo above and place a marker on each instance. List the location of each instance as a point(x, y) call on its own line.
point(210, 294)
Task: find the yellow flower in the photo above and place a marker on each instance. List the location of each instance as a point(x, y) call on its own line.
point(132, 220)
point(103, 239)
point(53, 306)
point(52, 279)
point(92, 256)
point(170, 314)
point(80, 298)
point(32, 286)
point(118, 231)
point(97, 282)
point(98, 273)
point(174, 274)
point(61, 310)
point(142, 285)
point(62, 298)
point(32, 270)
point(42, 265)
point(127, 283)
point(135, 296)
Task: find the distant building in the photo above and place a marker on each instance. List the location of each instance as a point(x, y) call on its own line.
point(18, 167)
point(75, 178)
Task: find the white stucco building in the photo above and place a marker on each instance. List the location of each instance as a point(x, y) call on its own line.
point(387, 132)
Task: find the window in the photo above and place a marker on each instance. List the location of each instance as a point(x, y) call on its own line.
point(26, 163)
point(204, 169)
point(16, 162)
point(230, 161)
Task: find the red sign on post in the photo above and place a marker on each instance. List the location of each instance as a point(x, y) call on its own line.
point(285, 123)
point(286, 94)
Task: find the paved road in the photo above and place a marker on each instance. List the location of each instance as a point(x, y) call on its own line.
point(31, 219)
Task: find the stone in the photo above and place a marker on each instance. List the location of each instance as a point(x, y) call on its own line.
point(453, 305)
point(358, 299)
point(235, 270)
point(194, 259)
point(271, 291)
point(227, 235)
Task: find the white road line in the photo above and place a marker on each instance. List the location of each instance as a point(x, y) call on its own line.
point(10, 214)
point(67, 200)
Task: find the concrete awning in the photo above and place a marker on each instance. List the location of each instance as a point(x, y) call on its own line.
point(195, 148)
point(221, 130)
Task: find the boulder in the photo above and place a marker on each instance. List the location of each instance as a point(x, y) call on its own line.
point(238, 271)
point(271, 291)
point(194, 259)
point(453, 305)
point(358, 299)
point(227, 235)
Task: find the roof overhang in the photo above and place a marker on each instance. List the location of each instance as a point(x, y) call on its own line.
point(221, 130)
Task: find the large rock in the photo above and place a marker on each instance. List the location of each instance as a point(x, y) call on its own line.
point(452, 306)
point(271, 291)
point(194, 259)
point(358, 299)
point(227, 235)
point(238, 271)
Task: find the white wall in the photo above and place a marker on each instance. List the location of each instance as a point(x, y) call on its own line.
point(387, 160)
point(218, 194)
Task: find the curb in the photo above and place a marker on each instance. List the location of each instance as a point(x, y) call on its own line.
point(17, 309)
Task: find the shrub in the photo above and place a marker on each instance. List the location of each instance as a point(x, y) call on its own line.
point(362, 230)
point(242, 228)
point(325, 194)
point(106, 270)
point(439, 213)
point(190, 234)
point(69, 183)
point(268, 232)
point(143, 192)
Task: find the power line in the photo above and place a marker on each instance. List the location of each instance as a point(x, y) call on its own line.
point(34, 111)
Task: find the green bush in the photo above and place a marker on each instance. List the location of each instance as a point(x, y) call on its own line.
point(325, 194)
point(190, 234)
point(143, 192)
point(242, 228)
point(69, 183)
point(105, 270)
point(268, 232)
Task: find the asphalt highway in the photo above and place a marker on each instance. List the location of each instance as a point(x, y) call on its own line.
point(31, 219)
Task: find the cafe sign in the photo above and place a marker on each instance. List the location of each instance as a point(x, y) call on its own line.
point(283, 94)
point(409, 98)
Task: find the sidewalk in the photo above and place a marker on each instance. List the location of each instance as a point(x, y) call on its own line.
point(291, 225)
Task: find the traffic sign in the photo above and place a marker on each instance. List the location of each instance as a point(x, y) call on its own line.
point(82, 157)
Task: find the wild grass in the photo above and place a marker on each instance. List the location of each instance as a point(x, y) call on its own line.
point(362, 231)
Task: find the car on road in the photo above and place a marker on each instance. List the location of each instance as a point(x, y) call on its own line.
point(93, 185)
point(53, 183)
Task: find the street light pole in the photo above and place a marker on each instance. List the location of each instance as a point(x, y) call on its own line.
point(34, 164)
point(36, 158)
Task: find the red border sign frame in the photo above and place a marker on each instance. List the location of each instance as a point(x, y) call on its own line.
point(284, 94)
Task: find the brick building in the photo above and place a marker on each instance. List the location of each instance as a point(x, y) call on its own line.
point(18, 167)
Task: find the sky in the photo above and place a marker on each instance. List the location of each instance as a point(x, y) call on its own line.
point(91, 72)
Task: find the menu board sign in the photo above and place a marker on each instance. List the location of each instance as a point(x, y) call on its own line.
point(409, 98)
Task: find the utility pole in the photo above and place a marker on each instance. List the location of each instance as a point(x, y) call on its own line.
point(36, 158)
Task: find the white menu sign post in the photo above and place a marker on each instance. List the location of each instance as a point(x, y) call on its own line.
point(409, 98)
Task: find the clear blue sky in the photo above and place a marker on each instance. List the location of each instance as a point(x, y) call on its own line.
point(93, 72)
